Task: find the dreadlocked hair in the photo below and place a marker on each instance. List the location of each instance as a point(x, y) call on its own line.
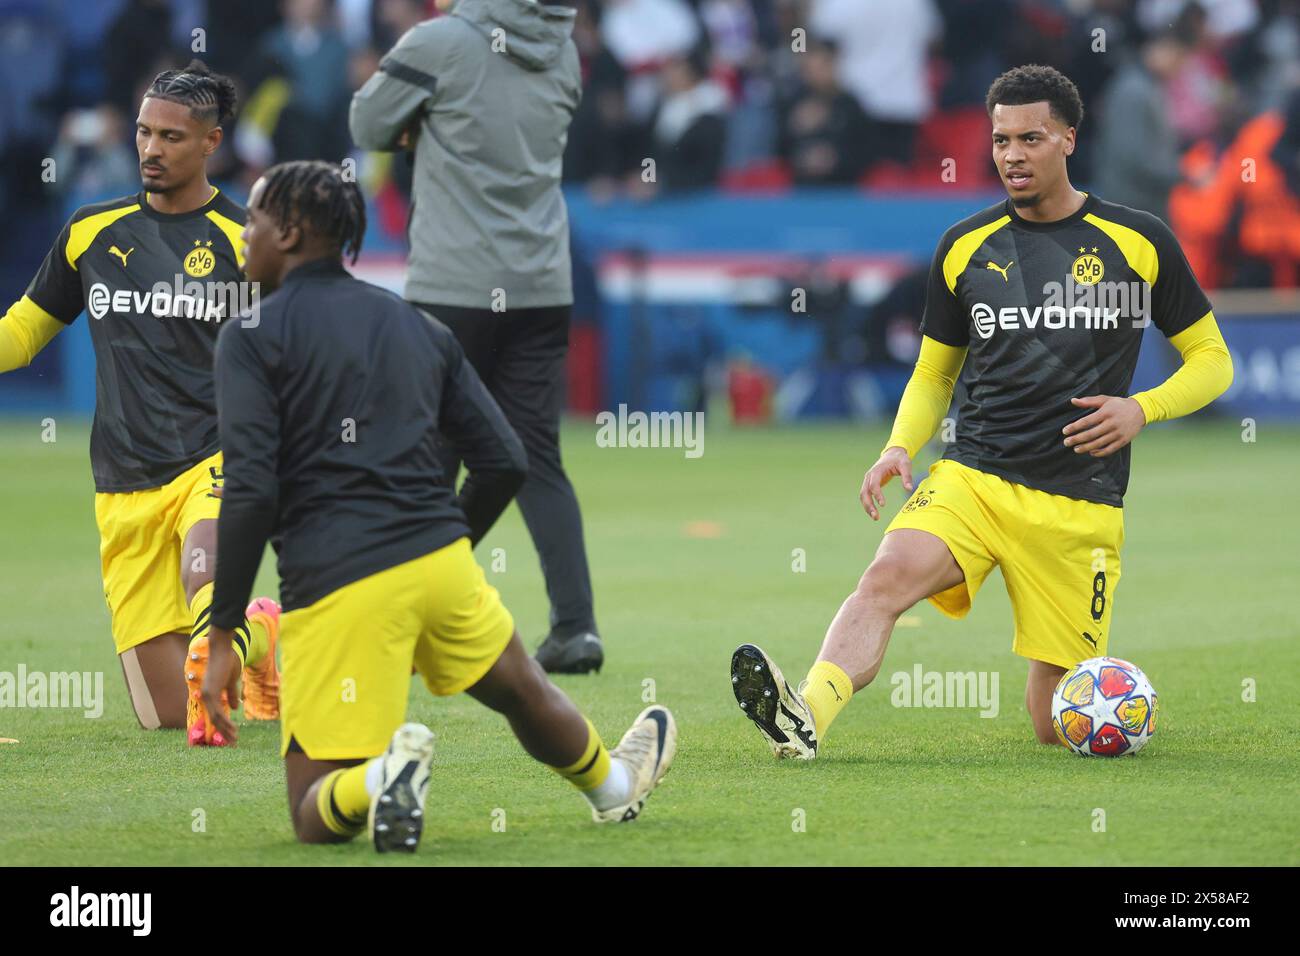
point(209, 95)
point(316, 195)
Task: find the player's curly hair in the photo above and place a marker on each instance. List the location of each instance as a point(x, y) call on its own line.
point(1036, 83)
point(210, 96)
point(316, 195)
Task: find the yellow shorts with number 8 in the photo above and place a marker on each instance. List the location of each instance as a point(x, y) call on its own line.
point(1059, 556)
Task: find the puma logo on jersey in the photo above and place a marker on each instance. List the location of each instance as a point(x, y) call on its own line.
point(1000, 269)
point(120, 254)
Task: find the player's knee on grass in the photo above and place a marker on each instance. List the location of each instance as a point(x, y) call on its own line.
point(304, 777)
point(1042, 681)
point(155, 681)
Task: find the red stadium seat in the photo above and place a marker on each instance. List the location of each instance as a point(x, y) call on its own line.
point(766, 176)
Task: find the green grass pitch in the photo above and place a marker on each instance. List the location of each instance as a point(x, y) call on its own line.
point(691, 558)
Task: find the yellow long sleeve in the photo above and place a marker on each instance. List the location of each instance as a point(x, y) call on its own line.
point(927, 396)
point(24, 330)
point(1205, 374)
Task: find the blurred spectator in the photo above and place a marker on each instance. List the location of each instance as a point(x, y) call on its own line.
point(642, 35)
point(299, 109)
point(1223, 18)
point(1194, 88)
point(1137, 148)
point(733, 31)
point(884, 54)
point(139, 37)
point(92, 154)
point(1256, 183)
point(395, 17)
point(690, 129)
point(605, 145)
point(1266, 63)
point(824, 133)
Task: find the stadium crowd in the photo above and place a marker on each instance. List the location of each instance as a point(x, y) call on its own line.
point(739, 95)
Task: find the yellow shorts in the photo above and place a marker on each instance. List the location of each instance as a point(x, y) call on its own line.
point(1059, 556)
point(141, 534)
point(345, 661)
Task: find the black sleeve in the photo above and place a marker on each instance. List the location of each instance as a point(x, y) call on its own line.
point(248, 416)
point(1177, 300)
point(943, 320)
point(476, 427)
point(57, 286)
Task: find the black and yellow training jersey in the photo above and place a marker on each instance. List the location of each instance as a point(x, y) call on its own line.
point(1052, 311)
point(155, 288)
point(332, 406)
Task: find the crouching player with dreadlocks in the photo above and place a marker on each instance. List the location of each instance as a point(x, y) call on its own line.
point(134, 264)
point(330, 410)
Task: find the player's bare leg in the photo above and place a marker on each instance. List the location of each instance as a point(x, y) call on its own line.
point(155, 680)
point(553, 731)
point(909, 566)
point(1042, 681)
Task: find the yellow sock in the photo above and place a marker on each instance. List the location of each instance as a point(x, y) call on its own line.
point(342, 800)
point(251, 639)
point(591, 769)
point(826, 693)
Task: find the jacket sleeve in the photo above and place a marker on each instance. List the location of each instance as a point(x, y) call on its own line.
point(401, 90)
point(248, 417)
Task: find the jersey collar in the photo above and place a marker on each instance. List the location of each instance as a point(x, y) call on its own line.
point(1090, 203)
point(143, 199)
point(325, 267)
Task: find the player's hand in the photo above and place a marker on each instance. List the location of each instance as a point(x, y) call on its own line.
point(222, 674)
point(1113, 425)
point(894, 461)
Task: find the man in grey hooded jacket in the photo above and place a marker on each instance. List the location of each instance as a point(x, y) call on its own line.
point(484, 96)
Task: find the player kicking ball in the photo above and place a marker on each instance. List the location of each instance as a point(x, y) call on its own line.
point(330, 409)
point(1043, 299)
point(153, 445)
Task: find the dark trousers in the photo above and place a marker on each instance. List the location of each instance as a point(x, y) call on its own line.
point(520, 355)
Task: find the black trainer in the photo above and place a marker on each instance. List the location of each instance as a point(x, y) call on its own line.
point(578, 654)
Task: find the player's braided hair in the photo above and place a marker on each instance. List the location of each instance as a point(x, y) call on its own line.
point(1034, 84)
point(209, 95)
point(316, 194)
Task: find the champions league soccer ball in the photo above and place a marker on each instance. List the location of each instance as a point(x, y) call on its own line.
point(1104, 707)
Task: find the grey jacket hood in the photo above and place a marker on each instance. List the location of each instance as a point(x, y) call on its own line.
point(534, 34)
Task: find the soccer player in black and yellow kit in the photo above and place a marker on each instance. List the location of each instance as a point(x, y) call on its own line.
point(330, 409)
point(154, 272)
point(1042, 300)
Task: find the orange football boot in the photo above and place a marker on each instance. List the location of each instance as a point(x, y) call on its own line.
point(262, 682)
point(199, 731)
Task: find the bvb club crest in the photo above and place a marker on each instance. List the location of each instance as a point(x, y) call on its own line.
point(199, 261)
point(1088, 268)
